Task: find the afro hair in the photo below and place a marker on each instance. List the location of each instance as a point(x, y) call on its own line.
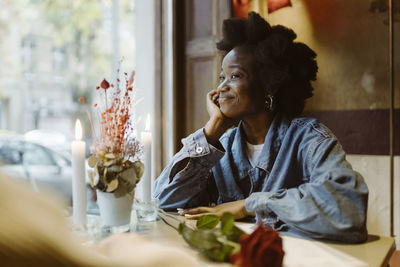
point(285, 68)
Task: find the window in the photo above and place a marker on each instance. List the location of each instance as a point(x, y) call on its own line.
point(10, 153)
point(37, 155)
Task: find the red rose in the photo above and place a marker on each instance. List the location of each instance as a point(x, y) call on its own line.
point(261, 248)
point(104, 84)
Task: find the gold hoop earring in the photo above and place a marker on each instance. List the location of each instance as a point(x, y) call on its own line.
point(269, 102)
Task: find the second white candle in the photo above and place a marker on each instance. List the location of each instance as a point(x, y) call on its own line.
point(78, 148)
point(146, 179)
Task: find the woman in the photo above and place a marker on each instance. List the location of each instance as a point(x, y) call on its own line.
point(290, 171)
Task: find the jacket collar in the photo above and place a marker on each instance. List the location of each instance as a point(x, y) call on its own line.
point(239, 152)
point(272, 144)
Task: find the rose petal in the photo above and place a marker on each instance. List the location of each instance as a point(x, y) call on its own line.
point(261, 248)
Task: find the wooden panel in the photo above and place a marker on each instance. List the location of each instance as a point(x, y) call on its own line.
point(199, 18)
point(395, 259)
point(202, 27)
point(201, 48)
point(396, 54)
point(363, 132)
point(200, 80)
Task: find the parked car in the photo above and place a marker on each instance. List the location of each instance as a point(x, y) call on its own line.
point(42, 167)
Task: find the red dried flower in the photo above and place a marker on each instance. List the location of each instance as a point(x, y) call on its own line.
point(131, 78)
point(116, 133)
point(261, 248)
point(104, 84)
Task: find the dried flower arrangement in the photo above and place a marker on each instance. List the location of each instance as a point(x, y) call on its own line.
point(115, 155)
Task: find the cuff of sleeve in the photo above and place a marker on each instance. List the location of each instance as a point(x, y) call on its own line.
point(258, 201)
point(197, 146)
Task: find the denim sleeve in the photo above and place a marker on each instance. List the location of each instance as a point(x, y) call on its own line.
point(181, 186)
point(332, 205)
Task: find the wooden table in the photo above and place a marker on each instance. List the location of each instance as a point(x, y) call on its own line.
point(298, 252)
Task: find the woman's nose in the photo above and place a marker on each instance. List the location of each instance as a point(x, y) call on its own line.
point(223, 87)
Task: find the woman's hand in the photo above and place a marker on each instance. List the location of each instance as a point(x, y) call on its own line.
point(218, 123)
point(237, 208)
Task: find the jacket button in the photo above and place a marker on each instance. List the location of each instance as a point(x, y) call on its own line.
point(199, 149)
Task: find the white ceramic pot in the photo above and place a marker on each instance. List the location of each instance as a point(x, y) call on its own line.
point(115, 211)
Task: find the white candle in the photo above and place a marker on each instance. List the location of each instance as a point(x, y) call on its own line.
point(78, 177)
point(146, 179)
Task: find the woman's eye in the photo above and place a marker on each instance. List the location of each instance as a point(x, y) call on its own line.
point(235, 76)
point(221, 78)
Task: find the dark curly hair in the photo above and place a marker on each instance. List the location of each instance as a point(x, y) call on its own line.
point(285, 68)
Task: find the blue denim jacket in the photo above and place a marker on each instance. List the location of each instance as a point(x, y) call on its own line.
point(301, 184)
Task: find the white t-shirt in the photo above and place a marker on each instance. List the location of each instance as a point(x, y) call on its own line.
point(253, 152)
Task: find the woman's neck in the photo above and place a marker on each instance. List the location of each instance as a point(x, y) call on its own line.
point(256, 127)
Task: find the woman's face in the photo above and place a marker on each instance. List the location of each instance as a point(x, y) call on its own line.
point(237, 92)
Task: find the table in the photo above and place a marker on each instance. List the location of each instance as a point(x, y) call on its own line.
point(298, 252)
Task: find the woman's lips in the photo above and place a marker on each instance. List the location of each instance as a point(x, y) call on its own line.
point(224, 99)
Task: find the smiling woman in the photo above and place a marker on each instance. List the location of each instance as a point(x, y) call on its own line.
point(299, 181)
point(234, 94)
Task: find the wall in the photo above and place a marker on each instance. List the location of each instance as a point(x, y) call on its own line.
point(352, 94)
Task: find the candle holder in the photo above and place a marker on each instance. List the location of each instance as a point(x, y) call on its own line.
point(146, 211)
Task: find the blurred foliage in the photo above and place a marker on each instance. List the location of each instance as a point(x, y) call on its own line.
point(72, 21)
point(75, 26)
point(78, 31)
point(80, 28)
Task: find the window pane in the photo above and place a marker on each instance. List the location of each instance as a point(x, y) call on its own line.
point(36, 155)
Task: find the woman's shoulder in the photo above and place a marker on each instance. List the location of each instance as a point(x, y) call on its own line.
point(311, 126)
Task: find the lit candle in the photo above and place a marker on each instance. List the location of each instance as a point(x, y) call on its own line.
point(78, 177)
point(146, 179)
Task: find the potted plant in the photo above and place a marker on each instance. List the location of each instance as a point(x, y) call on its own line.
point(115, 166)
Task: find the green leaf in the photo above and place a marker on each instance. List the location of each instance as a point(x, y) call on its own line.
point(235, 234)
point(229, 229)
point(128, 178)
point(200, 239)
point(227, 223)
point(180, 228)
point(220, 253)
point(207, 222)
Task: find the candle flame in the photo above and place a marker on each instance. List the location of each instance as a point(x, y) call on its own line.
point(148, 123)
point(78, 130)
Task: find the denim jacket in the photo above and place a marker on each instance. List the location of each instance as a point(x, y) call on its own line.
point(301, 184)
